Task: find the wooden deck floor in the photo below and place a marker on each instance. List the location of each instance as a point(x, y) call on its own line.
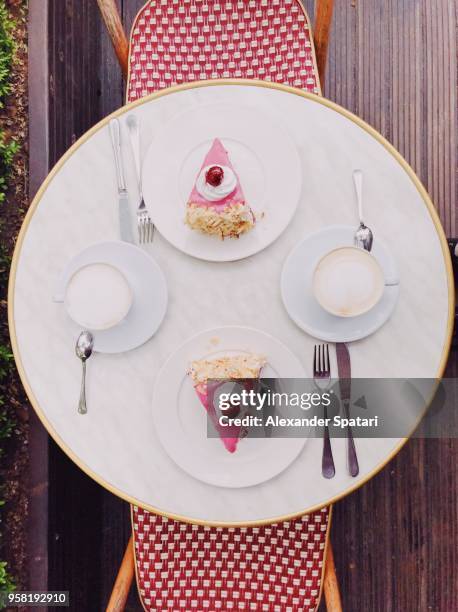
point(393, 63)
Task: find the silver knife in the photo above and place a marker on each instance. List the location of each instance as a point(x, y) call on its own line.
point(125, 223)
point(344, 368)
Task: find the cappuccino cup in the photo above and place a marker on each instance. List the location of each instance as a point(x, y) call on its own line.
point(348, 282)
point(97, 296)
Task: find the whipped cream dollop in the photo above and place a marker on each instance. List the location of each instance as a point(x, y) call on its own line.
point(211, 193)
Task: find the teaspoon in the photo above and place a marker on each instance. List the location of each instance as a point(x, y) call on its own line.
point(363, 235)
point(83, 350)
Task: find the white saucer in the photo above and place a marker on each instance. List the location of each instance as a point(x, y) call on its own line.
point(181, 421)
point(263, 154)
point(303, 308)
point(148, 287)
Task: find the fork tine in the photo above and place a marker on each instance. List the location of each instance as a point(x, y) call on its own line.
point(321, 359)
point(314, 361)
point(328, 367)
point(150, 230)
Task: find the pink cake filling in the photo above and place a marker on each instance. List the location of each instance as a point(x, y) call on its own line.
point(217, 156)
point(208, 375)
point(206, 398)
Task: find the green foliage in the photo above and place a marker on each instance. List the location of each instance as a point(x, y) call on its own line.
point(5, 263)
point(8, 149)
point(6, 583)
point(6, 50)
point(6, 358)
point(6, 422)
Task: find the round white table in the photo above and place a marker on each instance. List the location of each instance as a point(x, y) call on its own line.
point(116, 443)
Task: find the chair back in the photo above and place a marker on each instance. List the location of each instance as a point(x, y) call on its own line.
point(180, 41)
point(193, 567)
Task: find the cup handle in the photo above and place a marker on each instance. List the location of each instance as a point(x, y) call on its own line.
point(58, 298)
point(391, 282)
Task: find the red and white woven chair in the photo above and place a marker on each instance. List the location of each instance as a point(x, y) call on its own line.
point(180, 566)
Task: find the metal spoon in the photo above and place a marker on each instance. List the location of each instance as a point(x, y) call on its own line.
point(363, 235)
point(83, 350)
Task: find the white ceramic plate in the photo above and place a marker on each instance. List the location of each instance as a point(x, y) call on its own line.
point(149, 294)
point(263, 154)
point(181, 420)
point(303, 308)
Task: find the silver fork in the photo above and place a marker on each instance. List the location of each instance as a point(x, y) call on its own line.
point(144, 222)
point(322, 380)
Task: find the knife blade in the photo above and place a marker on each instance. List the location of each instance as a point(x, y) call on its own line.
point(344, 369)
point(125, 225)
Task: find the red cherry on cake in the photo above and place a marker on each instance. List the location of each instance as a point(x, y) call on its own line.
point(214, 176)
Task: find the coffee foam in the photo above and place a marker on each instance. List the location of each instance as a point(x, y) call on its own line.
point(348, 282)
point(98, 296)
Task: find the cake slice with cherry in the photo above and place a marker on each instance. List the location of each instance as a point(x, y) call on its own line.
point(209, 374)
point(217, 204)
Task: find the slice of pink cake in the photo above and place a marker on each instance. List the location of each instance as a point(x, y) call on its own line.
point(238, 367)
point(217, 203)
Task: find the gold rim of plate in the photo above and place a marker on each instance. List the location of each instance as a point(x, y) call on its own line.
point(167, 92)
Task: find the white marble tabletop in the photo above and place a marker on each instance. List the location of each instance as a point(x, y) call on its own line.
point(116, 442)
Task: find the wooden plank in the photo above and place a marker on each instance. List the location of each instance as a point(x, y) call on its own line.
point(322, 26)
point(38, 95)
point(394, 65)
point(85, 79)
point(76, 528)
point(88, 527)
point(116, 533)
point(123, 584)
point(37, 532)
point(112, 19)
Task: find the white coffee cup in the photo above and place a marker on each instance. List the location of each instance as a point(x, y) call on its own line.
point(97, 296)
point(348, 282)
